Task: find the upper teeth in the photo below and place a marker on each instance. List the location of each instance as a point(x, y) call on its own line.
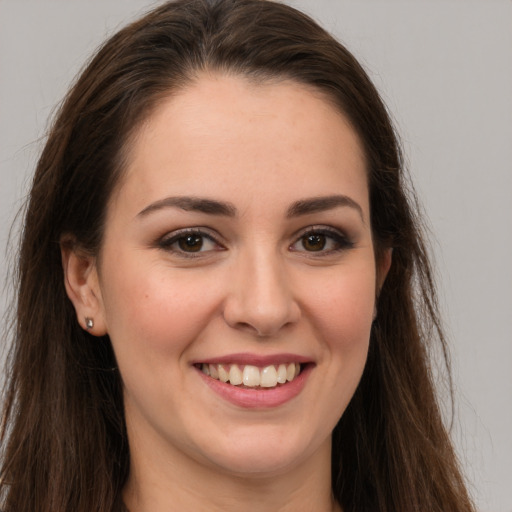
point(252, 376)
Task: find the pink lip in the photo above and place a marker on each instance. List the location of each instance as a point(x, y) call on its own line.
point(253, 359)
point(258, 398)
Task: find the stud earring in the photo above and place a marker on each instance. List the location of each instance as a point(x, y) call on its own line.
point(89, 323)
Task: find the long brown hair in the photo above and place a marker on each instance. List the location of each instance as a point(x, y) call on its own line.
point(64, 439)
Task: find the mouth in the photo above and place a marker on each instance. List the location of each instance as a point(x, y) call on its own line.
point(252, 376)
point(253, 381)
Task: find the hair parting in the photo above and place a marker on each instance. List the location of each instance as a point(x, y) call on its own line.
point(63, 435)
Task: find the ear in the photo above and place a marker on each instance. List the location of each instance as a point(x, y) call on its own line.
point(82, 287)
point(383, 266)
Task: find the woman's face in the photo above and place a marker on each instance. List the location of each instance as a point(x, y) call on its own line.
point(238, 248)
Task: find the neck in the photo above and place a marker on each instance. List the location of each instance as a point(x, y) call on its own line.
point(178, 483)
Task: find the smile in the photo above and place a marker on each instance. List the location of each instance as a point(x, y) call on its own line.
point(250, 376)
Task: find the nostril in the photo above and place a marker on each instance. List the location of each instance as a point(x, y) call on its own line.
point(261, 304)
point(262, 331)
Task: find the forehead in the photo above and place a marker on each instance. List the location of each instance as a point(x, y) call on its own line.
point(228, 135)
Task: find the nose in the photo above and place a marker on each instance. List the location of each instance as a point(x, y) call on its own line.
point(260, 298)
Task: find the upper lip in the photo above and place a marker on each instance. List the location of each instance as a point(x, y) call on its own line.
point(254, 359)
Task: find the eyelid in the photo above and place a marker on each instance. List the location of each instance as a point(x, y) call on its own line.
point(166, 241)
point(339, 236)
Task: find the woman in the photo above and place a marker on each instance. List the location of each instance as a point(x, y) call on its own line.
point(224, 297)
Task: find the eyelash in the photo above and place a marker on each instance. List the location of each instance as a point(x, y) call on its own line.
point(168, 241)
point(340, 240)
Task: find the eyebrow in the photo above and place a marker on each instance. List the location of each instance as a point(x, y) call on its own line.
point(214, 207)
point(320, 204)
point(191, 204)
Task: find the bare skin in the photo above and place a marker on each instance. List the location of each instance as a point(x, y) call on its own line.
point(240, 230)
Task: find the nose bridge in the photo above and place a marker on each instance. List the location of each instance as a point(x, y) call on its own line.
point(261, 298)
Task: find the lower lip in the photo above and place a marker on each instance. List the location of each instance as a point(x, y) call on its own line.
point(259, 398)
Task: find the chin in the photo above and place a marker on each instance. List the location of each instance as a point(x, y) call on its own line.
point(261, 455)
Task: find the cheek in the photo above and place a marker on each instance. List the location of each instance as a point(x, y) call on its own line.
point(343, 309)
point(152, 306)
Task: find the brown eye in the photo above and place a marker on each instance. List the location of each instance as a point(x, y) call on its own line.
point(314, 242)
point(324, 241)
point(191, 243)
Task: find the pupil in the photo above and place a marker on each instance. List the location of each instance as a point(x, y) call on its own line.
point(191, 243)
point(314, 242)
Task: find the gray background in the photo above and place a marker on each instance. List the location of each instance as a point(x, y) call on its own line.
point(445, 70)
